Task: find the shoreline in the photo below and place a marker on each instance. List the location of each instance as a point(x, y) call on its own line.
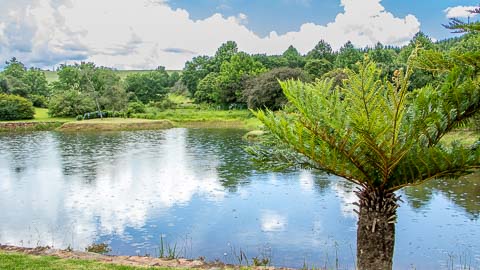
point(119, 124)
point(122, 260)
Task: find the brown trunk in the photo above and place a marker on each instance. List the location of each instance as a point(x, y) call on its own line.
point(376, 229)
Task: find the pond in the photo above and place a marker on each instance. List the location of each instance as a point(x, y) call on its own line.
point(197, 189)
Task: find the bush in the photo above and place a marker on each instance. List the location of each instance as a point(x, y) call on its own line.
point(70, 104)
point(265, 91)
point(136, 107)
point(39, 101)
point(15, 108)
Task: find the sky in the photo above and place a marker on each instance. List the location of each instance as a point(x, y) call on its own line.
point(144, 34)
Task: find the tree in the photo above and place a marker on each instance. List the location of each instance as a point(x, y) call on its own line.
point(208, 89)
point(232, 76)
point(36, 82)
point(380, 136)
point(194, 71)
point(150, 86)
point(293, 58)
point(14, 68)
point(85, 82)
point(224, 53)
point(322, 50)
point(264, 91)
point(70, 103)
point(347, 56)
point(318, 67)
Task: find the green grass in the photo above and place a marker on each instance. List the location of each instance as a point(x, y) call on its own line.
point(41, 115)
point(466, 137)
point(197, 117)
point(14, 261)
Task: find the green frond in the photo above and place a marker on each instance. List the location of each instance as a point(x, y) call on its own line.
point(375, 132)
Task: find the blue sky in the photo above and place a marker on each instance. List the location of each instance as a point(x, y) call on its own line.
point(288, 15)
point(143, 34)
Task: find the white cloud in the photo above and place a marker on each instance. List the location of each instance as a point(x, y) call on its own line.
point(459, 12)
point(136, 34)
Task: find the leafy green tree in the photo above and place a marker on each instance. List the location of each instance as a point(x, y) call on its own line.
point(14, 68)
point(293, 58)
point(271, 61)
point(224, 53)
point(232, 76)
point(36, 82)
point(100, 84)
point(419, 77)
point(347, 56)
point(13, 85)
point(70, 103)
point(380, 136)
point(322, 50)
point(150, 86)
point(14, 107)
point(208, 89)
point(384, 58)
point(317, 67)
point(194, 71)
point(173, 78)
point(264, 90)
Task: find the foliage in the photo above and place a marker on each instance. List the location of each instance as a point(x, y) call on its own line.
point(15, 108)
point(38, 101)
point(232, 75)
point(36, 82)
point(99, 85)
point(347, 56)
point(376, 133)
point(293, 58)
point(70, 103)
point(322, 50)
point(208, 89)
point(264, 91)
point(318, 67)
point(100, 248)
point(459, 26)
point(136, 107)
point(151, 86)
point(194, 71)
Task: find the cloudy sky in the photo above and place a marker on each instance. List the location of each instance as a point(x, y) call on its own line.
point(143, 34)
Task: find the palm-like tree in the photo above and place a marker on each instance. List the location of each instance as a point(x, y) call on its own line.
point(379, 135)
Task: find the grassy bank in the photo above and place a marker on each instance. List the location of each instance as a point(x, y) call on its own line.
point(17, 261)
point(195, 117)
point(115, 124)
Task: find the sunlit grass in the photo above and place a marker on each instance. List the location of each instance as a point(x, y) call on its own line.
point(14, 261)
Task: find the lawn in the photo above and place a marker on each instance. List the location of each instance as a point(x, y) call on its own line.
point(14, 261)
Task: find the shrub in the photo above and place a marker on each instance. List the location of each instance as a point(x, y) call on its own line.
point(265, 91)
point(38, 101)
point(15, 108)
point(70, 104)
point(136, 107)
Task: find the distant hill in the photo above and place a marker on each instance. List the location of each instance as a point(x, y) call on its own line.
point(52, 75)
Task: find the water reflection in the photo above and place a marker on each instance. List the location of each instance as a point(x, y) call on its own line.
point(197, 187)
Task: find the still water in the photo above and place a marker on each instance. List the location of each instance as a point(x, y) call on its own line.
point(197, 188)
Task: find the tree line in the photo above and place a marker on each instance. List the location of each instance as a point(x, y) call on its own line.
point(228, 79)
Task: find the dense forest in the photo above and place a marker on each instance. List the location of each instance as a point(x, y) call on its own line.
point(230, 79)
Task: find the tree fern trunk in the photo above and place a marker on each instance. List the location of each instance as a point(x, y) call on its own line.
point(376, 229)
